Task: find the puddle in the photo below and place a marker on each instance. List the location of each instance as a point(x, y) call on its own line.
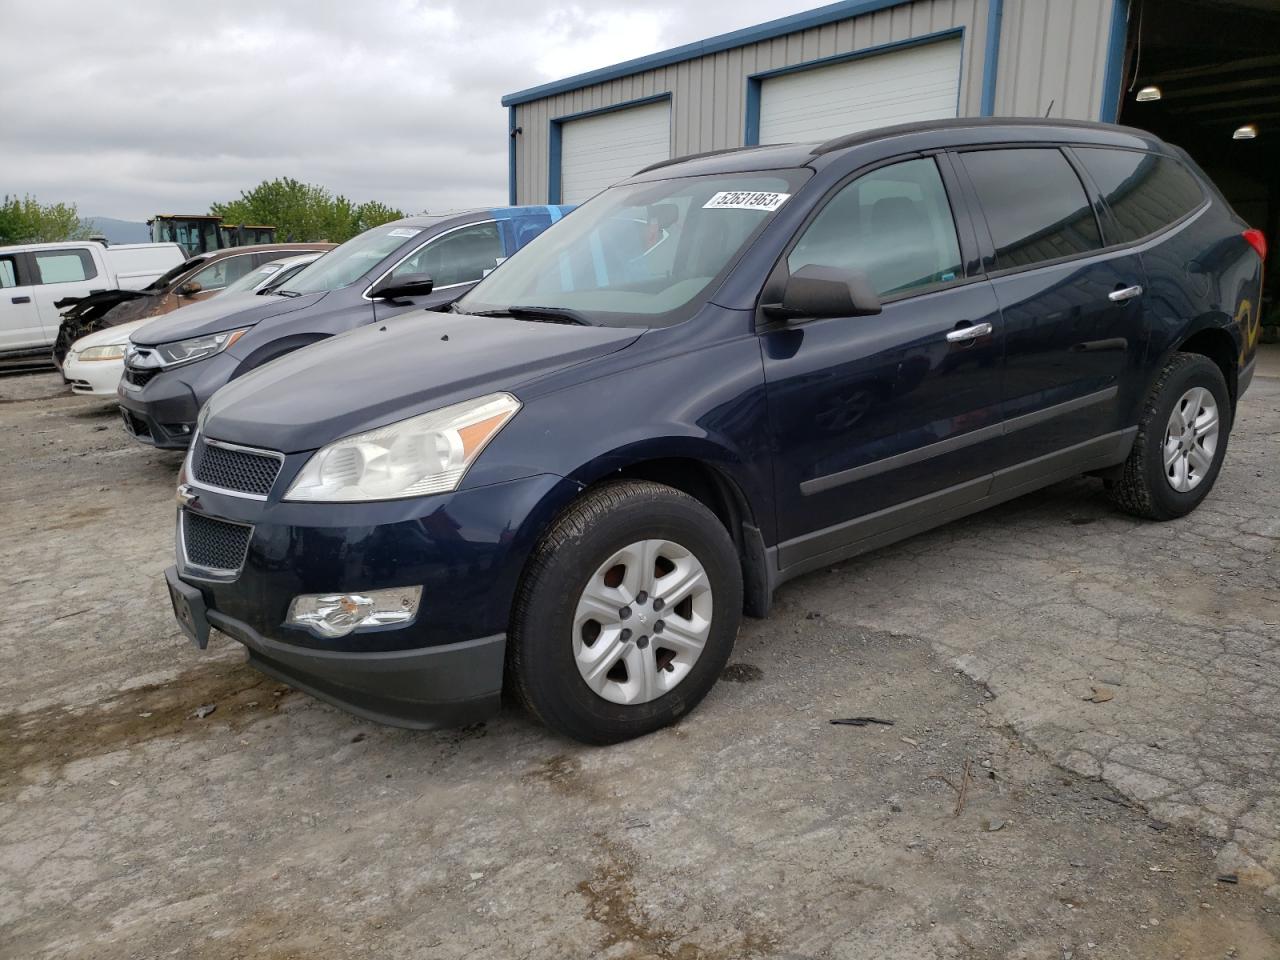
point(57, 735)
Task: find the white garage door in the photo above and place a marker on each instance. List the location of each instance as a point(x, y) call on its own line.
point(598, 151)
point(919, 83)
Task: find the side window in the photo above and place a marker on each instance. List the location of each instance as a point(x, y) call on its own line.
point(1035, 205)
point(894, 224)
point(222, 272)
point(463, 256)
point(64, 266)
point(8, 272)
point(1145, 192)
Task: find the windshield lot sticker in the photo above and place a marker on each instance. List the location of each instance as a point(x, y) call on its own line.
point(404, 232)
point(746, 200)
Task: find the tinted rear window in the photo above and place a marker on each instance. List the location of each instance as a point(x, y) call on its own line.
point(1034, 203)
point(1145, 192)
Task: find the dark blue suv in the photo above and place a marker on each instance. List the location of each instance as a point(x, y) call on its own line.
point(717, 375)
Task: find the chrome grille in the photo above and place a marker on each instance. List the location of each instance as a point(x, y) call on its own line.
point(214, 544)
point(233, 468)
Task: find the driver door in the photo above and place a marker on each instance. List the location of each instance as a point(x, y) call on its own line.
point(880, 421)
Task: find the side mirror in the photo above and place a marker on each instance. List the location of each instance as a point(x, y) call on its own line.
point(405, 285)
point(189, 289)
point(814, 291)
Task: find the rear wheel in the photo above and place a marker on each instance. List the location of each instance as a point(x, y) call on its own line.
point(627, 613)
point(1181, 441)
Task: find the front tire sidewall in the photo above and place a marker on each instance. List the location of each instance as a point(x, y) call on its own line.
point(1168, 501)
point(550, 676)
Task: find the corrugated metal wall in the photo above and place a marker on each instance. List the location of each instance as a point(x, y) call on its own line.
point(1053, 52)
point(1050, 50)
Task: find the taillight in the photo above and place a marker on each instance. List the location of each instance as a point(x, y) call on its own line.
point(1258, 240)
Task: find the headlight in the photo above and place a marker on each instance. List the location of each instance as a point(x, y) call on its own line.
point(197, 348)
point(425, 454)
point(110, 351)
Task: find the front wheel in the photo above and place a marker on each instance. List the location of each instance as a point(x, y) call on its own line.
point(627, 613)
point(1181, 441)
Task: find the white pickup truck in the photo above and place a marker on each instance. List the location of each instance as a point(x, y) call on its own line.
point(35, 276)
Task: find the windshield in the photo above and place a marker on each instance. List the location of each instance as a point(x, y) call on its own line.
point(345, 264)
point(250, 280)
point(641, 254)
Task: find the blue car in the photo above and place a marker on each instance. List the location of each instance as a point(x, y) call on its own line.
point(175, 363)
point(715, 376)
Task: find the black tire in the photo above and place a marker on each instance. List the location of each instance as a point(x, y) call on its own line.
point(1142, 487)
point(541, 669)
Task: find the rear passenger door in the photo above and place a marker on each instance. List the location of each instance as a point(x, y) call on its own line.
point(57, 275)
point(1073, 317)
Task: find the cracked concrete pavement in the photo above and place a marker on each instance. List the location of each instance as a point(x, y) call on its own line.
point(1179, 622)
point(279, 827)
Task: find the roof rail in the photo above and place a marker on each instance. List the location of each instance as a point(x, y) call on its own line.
point(689, 156)
point(959, 123)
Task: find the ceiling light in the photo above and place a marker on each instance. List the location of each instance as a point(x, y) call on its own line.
point(1248, 132)
point(1147, 94)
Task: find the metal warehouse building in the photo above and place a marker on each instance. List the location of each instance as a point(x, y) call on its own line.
point(1201, 73)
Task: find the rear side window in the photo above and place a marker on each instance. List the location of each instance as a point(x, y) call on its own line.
point(1145, 192)
point(1035, 205)
point(8, 272)
point(894, 224)
point(64, 266)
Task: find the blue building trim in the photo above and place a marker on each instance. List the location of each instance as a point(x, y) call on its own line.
point(991, 59)
point(511, 156)
point(554, 136)
point(690, 51)
point(1113, 76)
point(751, 130)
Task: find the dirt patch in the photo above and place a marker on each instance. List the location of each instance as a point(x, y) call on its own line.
point(742, 673)
point(59, 735)
point(612, 902)
point(1207, 933)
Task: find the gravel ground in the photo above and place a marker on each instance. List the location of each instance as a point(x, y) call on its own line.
point(1001, 815)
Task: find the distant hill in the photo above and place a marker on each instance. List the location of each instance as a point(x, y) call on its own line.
point(119, 231)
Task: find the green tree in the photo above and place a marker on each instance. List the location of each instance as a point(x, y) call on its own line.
point(303, 211)
point(26, 220)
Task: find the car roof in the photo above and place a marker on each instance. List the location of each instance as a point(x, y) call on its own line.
point(921, 135)
point(262, 248)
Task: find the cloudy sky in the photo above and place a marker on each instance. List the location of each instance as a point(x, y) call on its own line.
point(129, 109)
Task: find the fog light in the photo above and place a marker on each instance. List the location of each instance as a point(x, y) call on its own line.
point(337, 614)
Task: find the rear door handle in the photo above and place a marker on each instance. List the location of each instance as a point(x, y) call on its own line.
point(1126, 293)
point(973, 332)
point(20, 300)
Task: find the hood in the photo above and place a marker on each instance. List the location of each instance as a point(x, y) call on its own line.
point(385, 372)
point(108, 336)
point(217, 314)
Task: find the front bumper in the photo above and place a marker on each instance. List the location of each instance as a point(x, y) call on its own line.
point(450, 685)
point(94, 378)
point(164, 410)
point(466, 549)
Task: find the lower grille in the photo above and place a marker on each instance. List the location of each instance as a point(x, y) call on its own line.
point(231, 468)
point(214, 544)
point(134, 424)
point(139, 378)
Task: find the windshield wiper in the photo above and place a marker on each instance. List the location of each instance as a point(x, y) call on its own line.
point(287, 293)
point(549, 315)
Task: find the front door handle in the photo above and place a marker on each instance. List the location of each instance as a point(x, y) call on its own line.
point(1125, 293)
point(20, 300)
point(972, 332)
